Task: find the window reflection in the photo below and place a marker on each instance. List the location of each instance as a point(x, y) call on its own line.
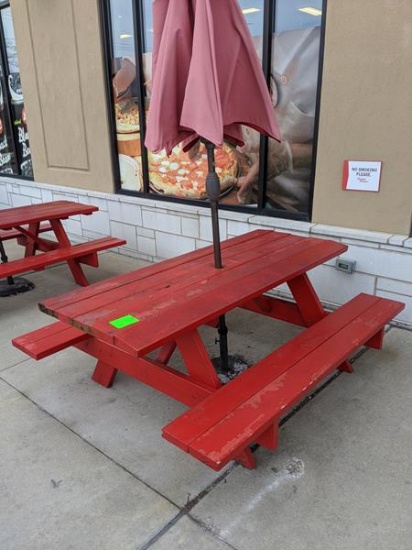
point(179, 175)
point(8, 159)
point(293, 86)
point(15, 154)
point(126, 95)
point(147, 26)
point(253, 12)
point(294, 77)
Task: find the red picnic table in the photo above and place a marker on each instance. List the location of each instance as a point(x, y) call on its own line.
point(160, 307)
point(28, 223)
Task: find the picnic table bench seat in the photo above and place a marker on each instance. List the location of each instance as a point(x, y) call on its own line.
point(80, 253)
point(247, 410)
point(45, 341)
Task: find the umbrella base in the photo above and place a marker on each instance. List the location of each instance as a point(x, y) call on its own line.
point(18, 286)
point(236, 365)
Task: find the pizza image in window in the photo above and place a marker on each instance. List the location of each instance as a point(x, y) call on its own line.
point(127, 116)
point(180, 176)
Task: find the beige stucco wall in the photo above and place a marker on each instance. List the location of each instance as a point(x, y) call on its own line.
point(60, 56)
point(366, 113)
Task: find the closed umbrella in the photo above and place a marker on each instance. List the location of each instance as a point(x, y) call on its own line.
point(206, 76)
point(207, 82)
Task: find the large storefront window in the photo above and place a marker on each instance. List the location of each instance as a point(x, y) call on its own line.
point(294, 85)
point(281, 183)
point(15, 156)
point(126, 94)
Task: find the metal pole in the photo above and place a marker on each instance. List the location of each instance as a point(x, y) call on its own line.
point(213, 193)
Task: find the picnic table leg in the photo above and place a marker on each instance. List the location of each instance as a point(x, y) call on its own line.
point(64, 242)
point(307, 300)
point(376, 342)
point(310, 307)
point(165, 353)
point(31, 245)
point(270, 438)
point(197, 359)
point(246, 459)
point(346, 367)
point(104, 374)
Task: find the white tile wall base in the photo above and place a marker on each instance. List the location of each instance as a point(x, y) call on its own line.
point(156, 230)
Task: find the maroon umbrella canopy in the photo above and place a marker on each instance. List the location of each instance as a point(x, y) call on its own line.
point(207, 80)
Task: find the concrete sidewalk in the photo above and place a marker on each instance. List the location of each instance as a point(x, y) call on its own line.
point(85, 467)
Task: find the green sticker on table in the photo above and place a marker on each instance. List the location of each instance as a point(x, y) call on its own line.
point(123, 322)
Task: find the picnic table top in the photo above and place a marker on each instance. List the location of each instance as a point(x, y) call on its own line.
point(34, 213)
point(143, 309)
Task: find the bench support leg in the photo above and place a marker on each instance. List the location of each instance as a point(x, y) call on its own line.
point(270, 438)
point(63, 240)
point(104, 374)
point(91, 259)
point(346, 367)
point(31, 245)
point(165, 353)
point(306, 299)
point(376, 341)
point(197, 360)
point(77, 272)
point(246, 459)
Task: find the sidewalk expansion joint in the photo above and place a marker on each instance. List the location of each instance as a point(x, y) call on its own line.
point(90, 444)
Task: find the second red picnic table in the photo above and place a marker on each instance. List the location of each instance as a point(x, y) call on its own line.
point(28, 223)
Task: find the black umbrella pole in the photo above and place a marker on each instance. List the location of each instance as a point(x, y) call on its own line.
point(213, 193)
point(224, 352)
point(216, 236)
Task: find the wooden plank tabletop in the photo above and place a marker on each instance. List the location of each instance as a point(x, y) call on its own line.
point(177, 295)
point(33, 213)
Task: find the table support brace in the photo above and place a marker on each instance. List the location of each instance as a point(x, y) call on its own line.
point(169, 381)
